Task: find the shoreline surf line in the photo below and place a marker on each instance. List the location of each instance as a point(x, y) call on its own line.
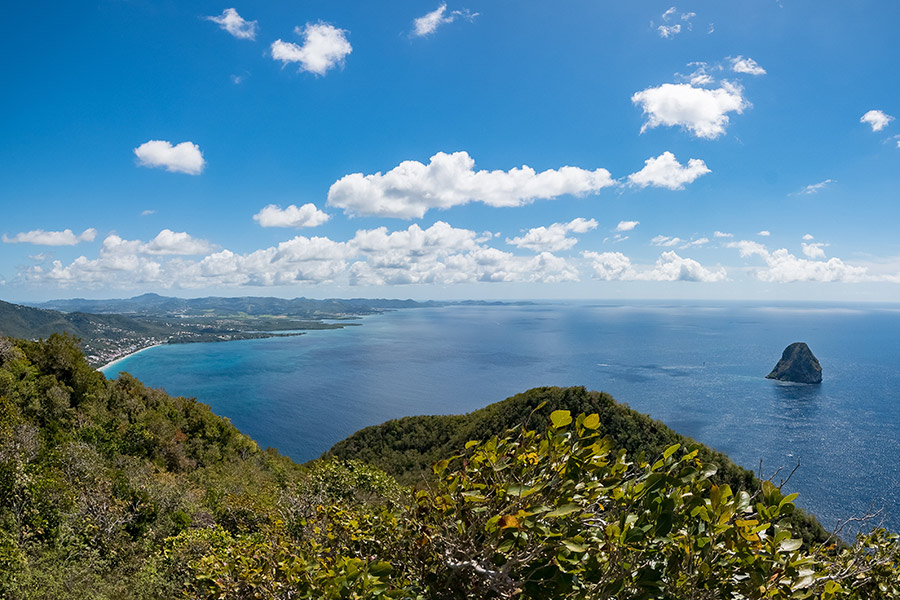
point(123, 357)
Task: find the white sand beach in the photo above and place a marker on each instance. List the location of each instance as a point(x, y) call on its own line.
point(121, 358)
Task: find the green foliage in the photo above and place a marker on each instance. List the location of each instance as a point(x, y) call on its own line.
point(110, 490)
point(406, 448)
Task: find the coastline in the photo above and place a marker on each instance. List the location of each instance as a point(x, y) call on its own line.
point(124, 356)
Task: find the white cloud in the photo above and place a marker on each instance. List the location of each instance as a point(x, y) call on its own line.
point(702, 111)
point(627, 225)
point(669, 267)
point(672, 267)
point(669, 31)
point(440, 254)
point(611, 266)
point(148, 212)
point(443, 254)
point(814, 250)
point(816, 187)
point(555, 237)
point(664, 240)
point(669, 13)
point(665, 171)
point(428, 24)
point(808, 237)
point(877, 119)
point(51, 238)
point(181, 158)
point(739, 64)
point(722, 234)
point(234, 24)
point(324, 47)
point(169, 242)
point(711, 28)
point(305, 216)
point(410, 189)
point(695, 243)
point(764, 233)
point(784, 267)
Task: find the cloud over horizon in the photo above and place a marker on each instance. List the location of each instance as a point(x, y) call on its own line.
point(39, 237)
point(554, 237)
point(292, 216)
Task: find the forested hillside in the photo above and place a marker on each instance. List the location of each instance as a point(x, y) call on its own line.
point(111, 490)
point(406, 448)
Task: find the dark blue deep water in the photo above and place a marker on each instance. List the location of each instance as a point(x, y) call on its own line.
point(699, 368)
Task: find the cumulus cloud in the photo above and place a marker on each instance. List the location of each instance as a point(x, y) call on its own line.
point(234, 24)
point(814, 250)
point(429, 23)
point(877, 119)
point(722, 234)
point(739, 64)
point(324, 47)
point(181, 158)
point(168, 242)
point(410, 189)
point(615, 266)
point(443, 254)
point(815, 187)
point(627, 225)
point(808, 237)
point(440, 254)
point(665, 171)
point(40, 237)
point(784, 267)
point(305, 216)
point(555, 237)
point(148, 212)
point(764, 233)
point(702, 111)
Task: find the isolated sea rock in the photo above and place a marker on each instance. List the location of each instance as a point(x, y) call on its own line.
point(797, 364)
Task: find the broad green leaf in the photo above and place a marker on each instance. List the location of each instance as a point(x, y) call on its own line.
point(671, 450)
point(592, 421)
point(565, 509)
point(790, 545)
point(573, 547)
point(560, 418)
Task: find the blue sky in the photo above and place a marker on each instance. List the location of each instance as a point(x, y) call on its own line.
point(462, 150)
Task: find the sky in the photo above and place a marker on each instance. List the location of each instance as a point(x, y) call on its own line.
point(467, 149)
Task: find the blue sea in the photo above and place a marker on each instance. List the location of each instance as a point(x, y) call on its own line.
point(698, 367)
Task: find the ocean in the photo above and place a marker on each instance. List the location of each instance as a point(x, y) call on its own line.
point(698, 367)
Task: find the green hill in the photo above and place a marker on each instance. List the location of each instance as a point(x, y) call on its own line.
point(110, 490)
point(406, 448)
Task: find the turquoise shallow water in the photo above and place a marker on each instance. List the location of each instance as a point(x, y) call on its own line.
point(698, 368)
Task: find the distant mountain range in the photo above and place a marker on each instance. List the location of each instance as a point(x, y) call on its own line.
point(305, 308)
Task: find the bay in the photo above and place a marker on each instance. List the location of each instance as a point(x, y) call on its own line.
point(698, 367)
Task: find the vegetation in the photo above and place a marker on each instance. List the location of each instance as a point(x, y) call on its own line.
point(406, 448)
point(112, 490)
